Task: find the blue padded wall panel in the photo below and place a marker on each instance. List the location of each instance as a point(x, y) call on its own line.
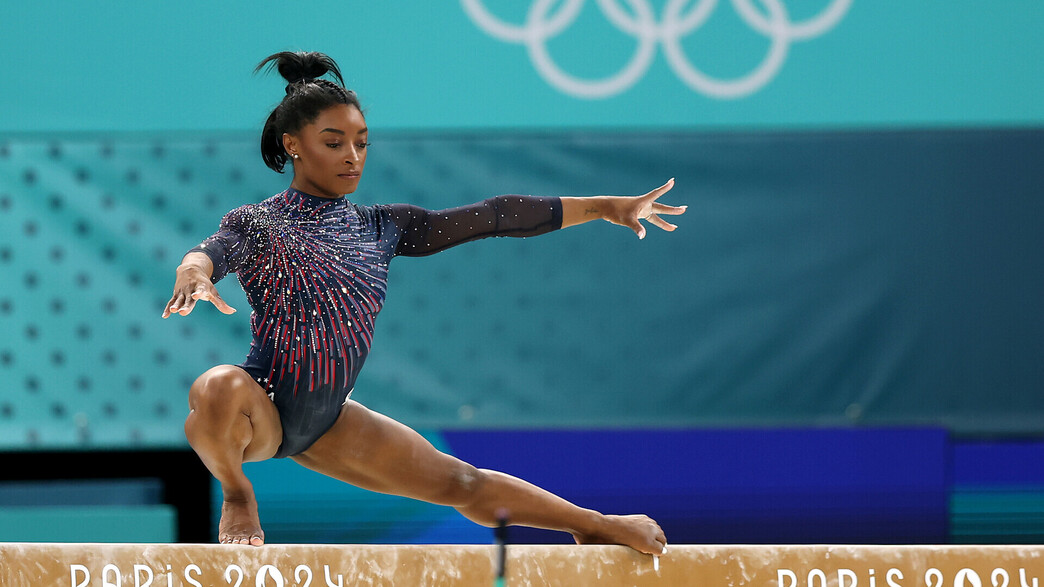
point(737, 486)
point(998, 491)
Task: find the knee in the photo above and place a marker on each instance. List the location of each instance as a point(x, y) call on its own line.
point(217, 389)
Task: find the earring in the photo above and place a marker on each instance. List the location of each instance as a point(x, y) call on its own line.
point(296, 156)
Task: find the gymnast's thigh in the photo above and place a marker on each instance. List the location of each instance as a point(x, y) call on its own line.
point(374, 452)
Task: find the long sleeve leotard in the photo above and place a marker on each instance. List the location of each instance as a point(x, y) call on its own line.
point(315, 273)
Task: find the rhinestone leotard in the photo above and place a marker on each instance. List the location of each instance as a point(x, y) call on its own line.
point(315, 272)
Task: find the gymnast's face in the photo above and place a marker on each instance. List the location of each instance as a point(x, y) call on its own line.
point(331, 152)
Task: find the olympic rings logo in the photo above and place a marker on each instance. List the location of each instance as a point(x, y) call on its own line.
point(543, 24)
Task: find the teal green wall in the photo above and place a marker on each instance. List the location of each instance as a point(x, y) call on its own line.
point(187, 65)
point(869, 278)
point(93, 523)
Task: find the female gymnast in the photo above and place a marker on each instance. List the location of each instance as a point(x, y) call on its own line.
point(314, 268)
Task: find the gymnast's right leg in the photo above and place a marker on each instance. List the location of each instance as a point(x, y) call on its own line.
point(232, 421)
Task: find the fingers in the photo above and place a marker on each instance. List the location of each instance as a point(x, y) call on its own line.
point(220, 304)
point(210, 294)
point(186, 306)
point(659, 208)
point(663, 189)
point(637, 228)
point(180, 304)
point(174, 305)
point(169, 307)
point(656, 220)
point(183, 304)
point(653, 209)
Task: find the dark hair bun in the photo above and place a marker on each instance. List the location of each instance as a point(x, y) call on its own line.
point(306, 96)
point(299, 65)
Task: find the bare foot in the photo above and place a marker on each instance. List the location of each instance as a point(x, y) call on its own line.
point(639, 532)
point(240, 523)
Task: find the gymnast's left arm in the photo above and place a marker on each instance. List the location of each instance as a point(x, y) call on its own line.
point(425, 232)
point(626, 211)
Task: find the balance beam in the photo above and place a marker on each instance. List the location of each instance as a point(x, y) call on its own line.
point(207, 565)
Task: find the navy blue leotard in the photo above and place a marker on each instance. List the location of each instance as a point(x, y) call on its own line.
point(315, 272)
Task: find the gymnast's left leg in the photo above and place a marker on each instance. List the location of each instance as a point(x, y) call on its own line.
point(372, 451)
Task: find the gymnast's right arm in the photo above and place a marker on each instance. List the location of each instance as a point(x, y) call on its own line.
point(193, 283)
point(226, 251)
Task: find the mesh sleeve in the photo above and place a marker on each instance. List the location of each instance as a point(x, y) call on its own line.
point(425, 232)
point(231, 247)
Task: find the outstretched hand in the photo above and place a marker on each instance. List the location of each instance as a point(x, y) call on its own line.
point(629, 211)
point(190, 287)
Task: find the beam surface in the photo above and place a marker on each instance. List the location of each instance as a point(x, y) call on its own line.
point(206, 565)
